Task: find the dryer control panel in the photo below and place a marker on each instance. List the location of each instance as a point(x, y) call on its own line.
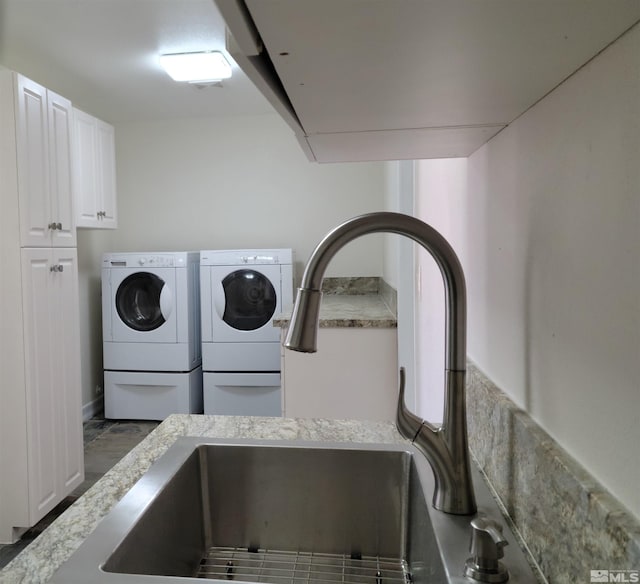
point(241, 257)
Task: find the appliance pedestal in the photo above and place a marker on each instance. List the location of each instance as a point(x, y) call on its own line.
point(147, 395)
point(242, 394)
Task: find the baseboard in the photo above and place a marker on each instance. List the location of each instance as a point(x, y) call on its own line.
point(92, 409)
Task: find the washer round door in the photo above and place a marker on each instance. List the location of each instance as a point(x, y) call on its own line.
point(144, 305)
point(138, 301)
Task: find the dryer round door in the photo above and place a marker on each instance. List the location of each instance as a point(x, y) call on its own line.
point(250, 300)
point(245, 300)
point(144, 306)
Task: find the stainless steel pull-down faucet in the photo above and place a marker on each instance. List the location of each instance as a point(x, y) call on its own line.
point(445, 447)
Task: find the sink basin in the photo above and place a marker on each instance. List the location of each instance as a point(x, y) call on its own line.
point(279, 512)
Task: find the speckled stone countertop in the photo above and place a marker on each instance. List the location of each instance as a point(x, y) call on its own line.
point(356, 302)
point(349, 311)
point(41, 559)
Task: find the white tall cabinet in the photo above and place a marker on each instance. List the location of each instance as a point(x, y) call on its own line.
point(41, 450)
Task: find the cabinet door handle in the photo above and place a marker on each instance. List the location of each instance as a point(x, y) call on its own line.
point(59, 226)
point(53, 226)
point(56, 268)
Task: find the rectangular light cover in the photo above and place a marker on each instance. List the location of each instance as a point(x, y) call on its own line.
point(196, 67)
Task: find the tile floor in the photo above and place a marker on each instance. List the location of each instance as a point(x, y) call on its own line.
point(105, 443)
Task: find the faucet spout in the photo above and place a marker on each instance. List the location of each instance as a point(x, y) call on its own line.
point(445, 447)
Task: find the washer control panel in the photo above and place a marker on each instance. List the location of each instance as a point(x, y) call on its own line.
point(155, 261)
point(147, 260)
point(259, 259)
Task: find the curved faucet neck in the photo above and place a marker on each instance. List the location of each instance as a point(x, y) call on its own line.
point(445, 448)
point(432, 241)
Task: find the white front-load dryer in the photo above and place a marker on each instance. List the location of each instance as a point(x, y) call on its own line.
point(241, 293)
point(151, 334)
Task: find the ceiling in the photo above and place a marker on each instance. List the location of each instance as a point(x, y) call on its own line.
point(103, 56)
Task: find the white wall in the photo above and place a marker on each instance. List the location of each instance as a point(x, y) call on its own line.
point(238, 182)
point(391, 203)
point(551, 224)
point(441, 191)
point(91, 245)
point(224, 183)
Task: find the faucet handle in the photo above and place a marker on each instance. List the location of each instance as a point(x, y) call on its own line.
point(407, 423)
point(487, 547)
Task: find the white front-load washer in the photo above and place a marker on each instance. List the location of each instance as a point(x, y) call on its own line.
point(151, 334)
point(241, 291)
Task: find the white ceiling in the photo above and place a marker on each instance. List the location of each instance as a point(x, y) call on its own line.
point(102, 55)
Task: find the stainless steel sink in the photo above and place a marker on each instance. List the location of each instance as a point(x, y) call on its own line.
point(281, 513)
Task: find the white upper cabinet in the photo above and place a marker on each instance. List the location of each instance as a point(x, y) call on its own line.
point(43, 161)
point(409, 79)
point(94, 184)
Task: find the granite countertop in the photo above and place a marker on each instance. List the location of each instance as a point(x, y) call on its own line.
point(349, 311)
point(40, 560)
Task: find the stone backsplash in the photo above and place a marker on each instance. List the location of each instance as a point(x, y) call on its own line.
point(361, 286)
point(358, 285)
point(569, 522)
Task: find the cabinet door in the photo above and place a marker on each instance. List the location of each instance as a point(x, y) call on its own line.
point(106, 175)
point(41, 399)
point(94, 172)
point(33, 163)
point(65, 346)
point(62, 215)
point(85, 186)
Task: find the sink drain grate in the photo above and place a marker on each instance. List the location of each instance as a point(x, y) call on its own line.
point(282, 567)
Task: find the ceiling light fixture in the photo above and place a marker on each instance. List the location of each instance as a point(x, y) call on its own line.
point(199, 67)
